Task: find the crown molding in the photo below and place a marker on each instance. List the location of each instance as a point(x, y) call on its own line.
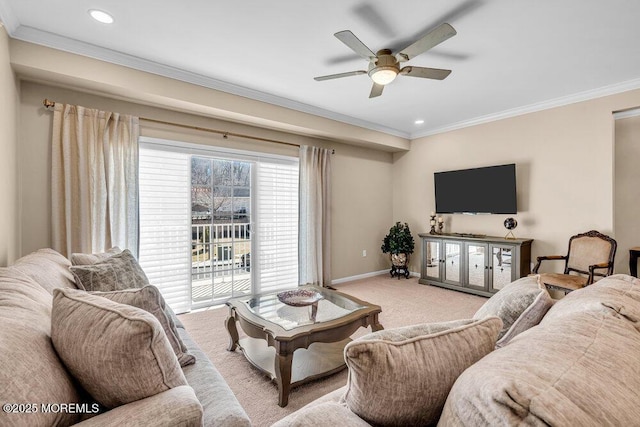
point(625, 114)
point(43, 38)
point(32, 35)
point(8, 18)
point(532, 108)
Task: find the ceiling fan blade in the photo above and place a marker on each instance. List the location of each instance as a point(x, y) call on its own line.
point(433, 38)
point(376, 20)
point(425, 73)
point(461, 11)
point(376, 90)
point(339, 75)
point(341, 59)
point(354, 43)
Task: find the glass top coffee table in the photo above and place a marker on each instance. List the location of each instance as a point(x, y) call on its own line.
point(296, 344)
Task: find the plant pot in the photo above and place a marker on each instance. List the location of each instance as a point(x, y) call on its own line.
point(400, 260)
point(400, 265)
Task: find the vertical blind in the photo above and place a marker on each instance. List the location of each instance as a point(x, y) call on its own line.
point(165, 223)
point(277, 226)
point(165, 218)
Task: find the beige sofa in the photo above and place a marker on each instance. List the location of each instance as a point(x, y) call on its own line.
point(580, 366)
point(37, 390)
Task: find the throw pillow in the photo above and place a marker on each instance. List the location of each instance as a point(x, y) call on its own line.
point(149, 299)
point(120, 271)
point(521, 305)
point(117, 352)
point(403, 376)
point(88, 259)
point(113, 270)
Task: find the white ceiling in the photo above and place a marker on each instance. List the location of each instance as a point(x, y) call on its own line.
point(509, 56)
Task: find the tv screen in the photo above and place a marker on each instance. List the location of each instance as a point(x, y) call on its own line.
point(490, 190)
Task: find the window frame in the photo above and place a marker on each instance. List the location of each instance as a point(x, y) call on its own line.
point(224, 153)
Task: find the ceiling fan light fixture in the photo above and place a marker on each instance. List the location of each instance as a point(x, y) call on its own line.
point(383, 75)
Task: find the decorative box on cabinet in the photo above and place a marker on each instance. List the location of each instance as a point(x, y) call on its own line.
point(477, 265)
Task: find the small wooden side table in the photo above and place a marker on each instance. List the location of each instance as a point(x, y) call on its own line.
point(634, 253)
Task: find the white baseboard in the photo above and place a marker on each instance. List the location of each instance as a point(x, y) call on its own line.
point(358, 276)
point(366, 275)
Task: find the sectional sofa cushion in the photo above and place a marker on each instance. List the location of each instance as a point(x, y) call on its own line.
point(521, 305)
point(322, 415)
point(148, 298)
point(221, 407)
point(31, 371)
point(402, 376)
point(578, 367)
point(88, 259)
point(619, 292)
point(48, 268)
point(117, 272)
point(117, 352)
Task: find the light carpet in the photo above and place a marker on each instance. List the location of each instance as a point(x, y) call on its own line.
point(404, 302)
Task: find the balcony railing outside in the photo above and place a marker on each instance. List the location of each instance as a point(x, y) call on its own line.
point(220, 261)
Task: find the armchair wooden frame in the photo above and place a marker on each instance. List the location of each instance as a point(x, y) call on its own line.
point(591, 273)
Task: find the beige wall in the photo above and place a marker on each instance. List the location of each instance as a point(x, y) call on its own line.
point(60, 68)
point(565, 157)
point(564, 160)
point(627, 189)
point(9, 214)
point(361, 204)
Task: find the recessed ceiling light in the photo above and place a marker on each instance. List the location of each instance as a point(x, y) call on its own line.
point(419, 122)
point(101, 16)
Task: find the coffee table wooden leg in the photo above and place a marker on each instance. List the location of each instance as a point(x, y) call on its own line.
point(230, 323)
point(376, 325)
point(283, 377)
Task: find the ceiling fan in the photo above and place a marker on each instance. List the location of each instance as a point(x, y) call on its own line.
point(384, 66)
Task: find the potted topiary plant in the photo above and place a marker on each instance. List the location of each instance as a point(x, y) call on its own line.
point(399, 243)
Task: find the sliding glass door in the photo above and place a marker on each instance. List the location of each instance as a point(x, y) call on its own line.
point(220, 228)
point(215, 224)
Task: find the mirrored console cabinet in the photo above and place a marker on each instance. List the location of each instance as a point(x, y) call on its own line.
point(480, 265)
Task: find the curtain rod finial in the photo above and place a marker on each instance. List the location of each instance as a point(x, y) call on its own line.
point(48, 103)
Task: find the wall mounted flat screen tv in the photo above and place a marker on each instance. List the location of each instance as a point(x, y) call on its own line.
point(488, 190)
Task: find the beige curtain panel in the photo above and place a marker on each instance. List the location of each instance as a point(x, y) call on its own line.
point(314, 240)
point(94, 176)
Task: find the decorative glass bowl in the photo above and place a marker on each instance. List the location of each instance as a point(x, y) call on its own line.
point(300, 297)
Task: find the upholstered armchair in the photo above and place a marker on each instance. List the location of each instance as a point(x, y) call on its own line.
point(590, 254)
